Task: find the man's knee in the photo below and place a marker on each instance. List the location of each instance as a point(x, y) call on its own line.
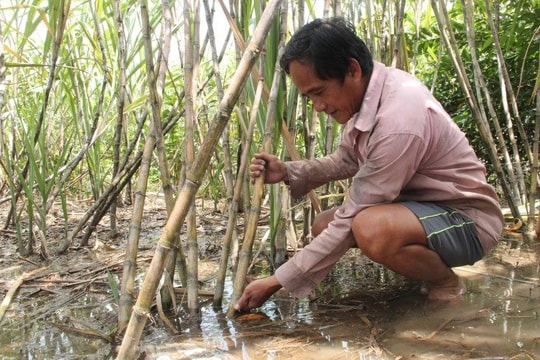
point(369, 234)
point(321, 221)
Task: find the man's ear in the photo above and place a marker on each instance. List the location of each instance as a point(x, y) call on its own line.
point(355, 70)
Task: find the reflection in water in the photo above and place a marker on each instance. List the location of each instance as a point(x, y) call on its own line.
point(33, 335)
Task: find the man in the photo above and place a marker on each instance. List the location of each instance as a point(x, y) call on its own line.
point(419, 202)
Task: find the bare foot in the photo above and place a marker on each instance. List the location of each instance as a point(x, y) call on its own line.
point(449, 292)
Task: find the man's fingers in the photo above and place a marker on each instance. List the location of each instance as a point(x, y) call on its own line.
point(240, 304)
point(258, 167)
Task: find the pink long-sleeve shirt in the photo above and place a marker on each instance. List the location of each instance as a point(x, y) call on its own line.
point(401, 145)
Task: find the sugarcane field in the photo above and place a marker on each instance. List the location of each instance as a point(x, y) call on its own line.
point(300, 180)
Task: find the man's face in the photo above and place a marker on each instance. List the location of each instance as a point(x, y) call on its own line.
point(337, 99)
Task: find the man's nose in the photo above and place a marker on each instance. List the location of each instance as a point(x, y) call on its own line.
point(319, 105)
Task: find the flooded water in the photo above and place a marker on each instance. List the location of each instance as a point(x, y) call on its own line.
point(361, 311)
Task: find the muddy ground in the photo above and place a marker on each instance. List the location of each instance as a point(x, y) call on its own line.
point(64, 308)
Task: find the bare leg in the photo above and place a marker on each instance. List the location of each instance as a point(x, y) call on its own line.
point(321, 221)
point(393, 236)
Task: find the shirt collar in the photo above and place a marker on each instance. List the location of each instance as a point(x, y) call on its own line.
point(365, 119)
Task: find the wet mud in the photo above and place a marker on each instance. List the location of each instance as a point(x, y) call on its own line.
point(361, 311)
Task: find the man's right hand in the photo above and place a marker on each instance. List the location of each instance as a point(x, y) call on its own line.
point(256, 293)
point(271, 166)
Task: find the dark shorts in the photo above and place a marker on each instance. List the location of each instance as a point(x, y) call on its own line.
point(450, 234)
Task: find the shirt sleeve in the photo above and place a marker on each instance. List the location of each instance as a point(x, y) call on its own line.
point(391, 161)
point(306, 175)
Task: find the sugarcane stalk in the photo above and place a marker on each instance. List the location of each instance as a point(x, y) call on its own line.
point(121, 98)
point(191, 37)
point(534, 172)
point(285, 134)
point(255, 209)
point(141, 310)
point(177, 257)
point(233, 208)
point(154, 140)
point(127, 289)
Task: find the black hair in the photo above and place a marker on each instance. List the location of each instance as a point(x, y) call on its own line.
point(329, 45)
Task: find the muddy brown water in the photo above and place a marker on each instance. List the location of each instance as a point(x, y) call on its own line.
point(361, 311)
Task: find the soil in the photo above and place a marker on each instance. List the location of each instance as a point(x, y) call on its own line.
point(65, 308)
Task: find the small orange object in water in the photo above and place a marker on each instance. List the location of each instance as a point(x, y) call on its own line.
point(514, 227)
point(251, 316)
